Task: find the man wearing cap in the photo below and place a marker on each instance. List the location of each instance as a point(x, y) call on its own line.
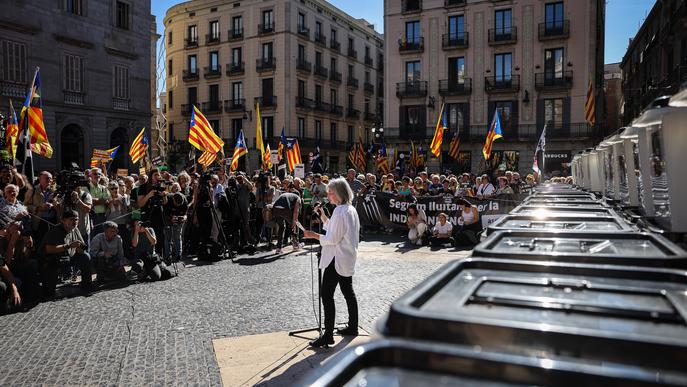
point(64, 240)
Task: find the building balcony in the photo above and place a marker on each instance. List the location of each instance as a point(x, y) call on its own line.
point(236, 69)
point(562, 131)
point(304, 66)
point(334, 45)
point(454, 3)
point(322, 106)
point(352, 82)
point(335, 77)
point(303, 32)
point(416, 44)
point(369, 61)
point(13, 89)
point(265, 64)
point(235, 34)
point(321, 71)
point(370, 117)
point(507, 35)
point(450, 87)
point(336, 110)
point(549, 81)
point(559, 29)
point(352, 113)
point(73, 97)
point(369, 88)
point(454, 40)
point(265, 29)
point(212, 107)
point(411, 89)
point(320, 39)
point(411, 6)
point(120, 104)
point(190, 75)
point(352, 53)
point(380, 90)
point(186, 109)
point(191, 42)
point(502, 84)
point(304, 103)
point(211, 39)
point(234, 105)
point(267, 102)
point(212, 72)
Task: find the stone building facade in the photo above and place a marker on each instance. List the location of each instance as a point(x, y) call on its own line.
point(532, 60)
point(315, 70)
point(655, 63)
point(95, 66)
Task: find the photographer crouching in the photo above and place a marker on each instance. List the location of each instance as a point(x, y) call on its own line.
point(285, 212)
point(339, 254)
point(147, 263)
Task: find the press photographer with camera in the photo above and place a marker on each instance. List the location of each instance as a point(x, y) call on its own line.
point(339, 255)
point(175, 211)
point(64, 240)
point(147, 263)
point(285, 211)
point(151, 199)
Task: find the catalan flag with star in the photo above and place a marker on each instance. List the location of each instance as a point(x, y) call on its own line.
point(240, 149)
point(32, 116)
point(494, 134)
point(442, 126)
point(201, 135)
point(383, 159)
point(12, 132)
point(293, 153)
point(139, 146)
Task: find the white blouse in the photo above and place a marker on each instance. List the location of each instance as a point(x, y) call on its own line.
point(341, 240)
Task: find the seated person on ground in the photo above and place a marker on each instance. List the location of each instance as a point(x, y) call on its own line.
point(441, 233)
point(417, 224)
point(468, 224)
point(61, 241)
point(107, 249)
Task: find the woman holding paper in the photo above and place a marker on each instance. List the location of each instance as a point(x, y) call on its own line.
point(339, 253)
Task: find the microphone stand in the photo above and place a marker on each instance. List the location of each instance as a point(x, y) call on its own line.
point(319, 291)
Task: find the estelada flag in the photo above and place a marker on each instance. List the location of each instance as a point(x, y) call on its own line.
point(240, 149)
point(442, 125)
point(494, 134)
point(32, 115)
point(12, 132)
point(293, 153)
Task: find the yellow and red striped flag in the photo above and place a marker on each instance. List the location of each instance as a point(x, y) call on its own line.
point(44, 149)
point(494, 133)
point(139, 146)
point(383, 159)
point(12, 132)
point(442, 125)
point(201, 135)
point(454, 148)
point(32, 112)
point(240, 149)
point(207, 158)
point(266, 162)
point(293, 153)
point(94, 163)
point(590, 105)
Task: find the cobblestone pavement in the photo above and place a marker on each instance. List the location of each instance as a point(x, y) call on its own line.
point(161, 333)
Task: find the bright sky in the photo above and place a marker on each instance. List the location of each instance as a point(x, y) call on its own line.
point(623, 18)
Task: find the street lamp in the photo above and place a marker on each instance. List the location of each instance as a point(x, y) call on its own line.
point(377, 132)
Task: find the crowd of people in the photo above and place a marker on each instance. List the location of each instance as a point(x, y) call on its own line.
point(137, 227)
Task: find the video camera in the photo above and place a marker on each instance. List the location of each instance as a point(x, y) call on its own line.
point(69, 180)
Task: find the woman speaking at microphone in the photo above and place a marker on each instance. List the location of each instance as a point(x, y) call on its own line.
point(339, 253)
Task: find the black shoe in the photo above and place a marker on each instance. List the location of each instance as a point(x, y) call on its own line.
point(323, 341)
point(348, 331)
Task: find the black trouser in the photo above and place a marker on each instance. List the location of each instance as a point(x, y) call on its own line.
point(26, 271)
point(151, 266)
point(436, 241)
point(284, 220)
point(51, 264)
point(330, 279)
